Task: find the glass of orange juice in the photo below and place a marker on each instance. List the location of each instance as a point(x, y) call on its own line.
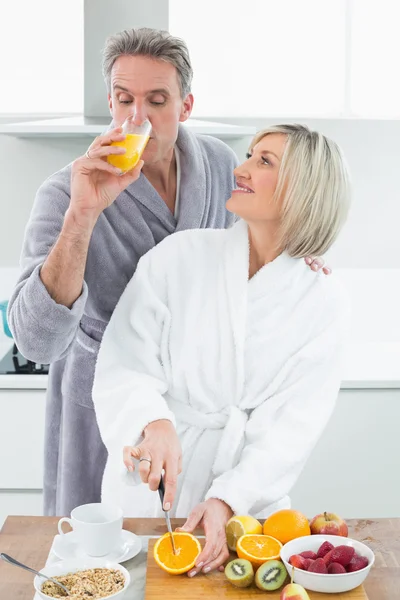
point(135, 142)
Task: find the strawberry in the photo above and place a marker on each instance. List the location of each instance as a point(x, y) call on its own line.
point(341, 555)
point(317, 566)
point(336, 569)
point(357, 563)
point(297, 561)
point(324, 549)
point(307, 563)
point(309, 554)
point(328, 557)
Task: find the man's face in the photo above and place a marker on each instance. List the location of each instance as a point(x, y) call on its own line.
point(149, 89)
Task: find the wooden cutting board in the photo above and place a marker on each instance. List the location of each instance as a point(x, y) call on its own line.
point(161, 585)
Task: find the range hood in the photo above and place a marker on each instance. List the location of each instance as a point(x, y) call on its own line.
point(82, 126)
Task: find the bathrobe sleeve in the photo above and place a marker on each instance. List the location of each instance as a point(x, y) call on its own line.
point(43, 329)
point(130, 377)
point(283, 430)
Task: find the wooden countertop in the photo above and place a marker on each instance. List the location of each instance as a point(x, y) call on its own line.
point(29, 539)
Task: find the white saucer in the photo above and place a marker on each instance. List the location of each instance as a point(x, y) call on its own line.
point(66, 547)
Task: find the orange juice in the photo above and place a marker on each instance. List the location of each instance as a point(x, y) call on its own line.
point(134, 144)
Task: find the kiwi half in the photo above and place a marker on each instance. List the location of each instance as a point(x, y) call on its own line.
point(240, 572)
point(271, 575)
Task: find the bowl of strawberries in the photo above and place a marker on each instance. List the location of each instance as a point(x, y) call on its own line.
point(327, 563)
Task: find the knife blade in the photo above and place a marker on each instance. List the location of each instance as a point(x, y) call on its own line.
point(161, 491)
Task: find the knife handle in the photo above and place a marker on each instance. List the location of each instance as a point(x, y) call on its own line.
point(161, 491)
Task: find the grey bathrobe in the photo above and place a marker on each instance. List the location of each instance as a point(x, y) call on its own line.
point(69, 339)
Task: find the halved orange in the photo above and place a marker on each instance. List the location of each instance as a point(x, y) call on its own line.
point(241, 525)
point(187, 550)
point(258, 548)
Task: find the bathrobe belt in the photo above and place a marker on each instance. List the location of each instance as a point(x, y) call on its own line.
point(231, 419)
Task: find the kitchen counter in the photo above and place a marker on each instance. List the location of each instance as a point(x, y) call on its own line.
point(369, 365)
point(19, 382)
point(29, 539)
point(372, 365)
point(23, 382)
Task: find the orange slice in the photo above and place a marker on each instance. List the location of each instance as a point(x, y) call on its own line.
point(238, 526)
point(187, 550)
point(258, 548)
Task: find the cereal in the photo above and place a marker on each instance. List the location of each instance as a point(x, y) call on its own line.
point(82, 585)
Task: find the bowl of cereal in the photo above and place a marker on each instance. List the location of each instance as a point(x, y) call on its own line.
point(88, 578)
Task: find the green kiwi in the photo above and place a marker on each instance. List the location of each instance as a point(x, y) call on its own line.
point(271, 575)
point(240, 572)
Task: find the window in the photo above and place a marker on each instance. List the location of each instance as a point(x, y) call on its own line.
point(375, 55)
point(319, 58)
point(41, 57)
point(289, 58)
point(265, 57)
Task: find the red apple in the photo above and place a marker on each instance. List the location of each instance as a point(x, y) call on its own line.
point(329, 524)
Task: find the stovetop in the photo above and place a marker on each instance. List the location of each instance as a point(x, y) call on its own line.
point(13, 363)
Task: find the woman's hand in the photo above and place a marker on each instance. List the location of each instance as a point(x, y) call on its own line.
point(213, 516)
point(160, 449)
point(95, 184)
point(316, 263)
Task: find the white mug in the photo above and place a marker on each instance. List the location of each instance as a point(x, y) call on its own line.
point(97, 527)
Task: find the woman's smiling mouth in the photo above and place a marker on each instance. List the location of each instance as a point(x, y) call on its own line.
point(242, 188)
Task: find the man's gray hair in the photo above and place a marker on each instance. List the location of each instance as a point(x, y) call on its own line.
point(153, 43)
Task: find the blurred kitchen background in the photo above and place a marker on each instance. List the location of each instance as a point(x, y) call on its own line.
point(332, 64)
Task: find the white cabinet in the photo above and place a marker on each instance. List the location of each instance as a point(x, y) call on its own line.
point(27, 502)
point(21, 439)
point(353, 470)
point(21, 451)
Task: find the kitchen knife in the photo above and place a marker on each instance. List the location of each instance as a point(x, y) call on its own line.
point(161, 491)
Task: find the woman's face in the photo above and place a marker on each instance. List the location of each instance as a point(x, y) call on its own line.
point(256, 178)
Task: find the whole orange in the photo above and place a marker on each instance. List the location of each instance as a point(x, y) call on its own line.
point(286, 525)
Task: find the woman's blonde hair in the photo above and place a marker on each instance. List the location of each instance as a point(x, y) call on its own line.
point(315, 182)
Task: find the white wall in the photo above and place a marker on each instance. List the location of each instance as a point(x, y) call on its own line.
point(370, 239)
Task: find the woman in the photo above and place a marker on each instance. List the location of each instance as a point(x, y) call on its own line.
point(226, 344)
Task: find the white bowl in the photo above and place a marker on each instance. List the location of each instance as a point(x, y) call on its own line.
point(72, 566)
point(318, 582)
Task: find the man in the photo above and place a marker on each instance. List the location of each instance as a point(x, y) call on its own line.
point(87, 231)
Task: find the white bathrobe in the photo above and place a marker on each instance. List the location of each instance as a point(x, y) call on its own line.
point(248, 370)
